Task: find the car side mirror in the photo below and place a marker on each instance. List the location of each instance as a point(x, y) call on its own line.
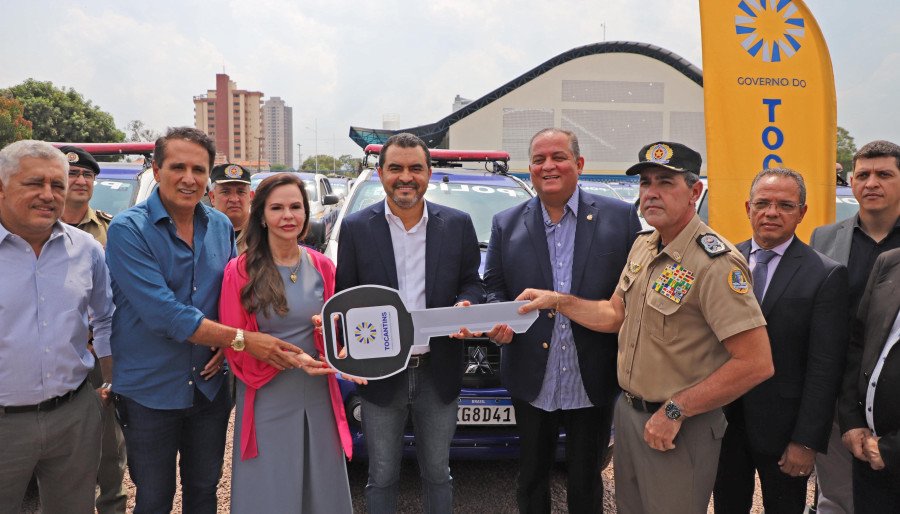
point(331, 199)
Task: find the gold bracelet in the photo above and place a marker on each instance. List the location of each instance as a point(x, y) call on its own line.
point(556, 309)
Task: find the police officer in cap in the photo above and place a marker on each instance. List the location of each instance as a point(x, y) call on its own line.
point(231, 193)
point(693, 340)
point(83, 172)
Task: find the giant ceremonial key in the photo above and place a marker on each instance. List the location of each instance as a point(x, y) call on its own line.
point(373, 324)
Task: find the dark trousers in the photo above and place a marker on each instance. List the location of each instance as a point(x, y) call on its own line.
point(733, 491)
point(154, 438)
point(587, 436)
point(874, 492)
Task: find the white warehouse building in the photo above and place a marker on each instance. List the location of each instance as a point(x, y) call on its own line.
point(616, 96)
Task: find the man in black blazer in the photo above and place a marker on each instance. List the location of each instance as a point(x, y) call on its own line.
point(559, 373)
point(856, 242)
point(869, 408)
point(430, 254)
point(777, 427)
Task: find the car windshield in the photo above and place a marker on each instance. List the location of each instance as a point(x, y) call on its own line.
point(480, 200)
point(114, 195)
point(339, 187)
point(845, 207)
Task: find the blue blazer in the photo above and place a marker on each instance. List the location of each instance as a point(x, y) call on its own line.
point(518, 258)
point(366, 256)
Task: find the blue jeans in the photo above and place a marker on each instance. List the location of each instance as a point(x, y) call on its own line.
point(153, 439)
point(434, 424)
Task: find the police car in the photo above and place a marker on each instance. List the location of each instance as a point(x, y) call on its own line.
point(475, 182)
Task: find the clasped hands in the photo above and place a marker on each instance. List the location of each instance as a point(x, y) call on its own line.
point(864, 446)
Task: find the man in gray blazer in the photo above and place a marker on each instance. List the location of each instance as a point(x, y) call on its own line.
point(857, 242)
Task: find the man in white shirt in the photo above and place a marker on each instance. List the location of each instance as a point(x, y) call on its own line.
point(430, 254)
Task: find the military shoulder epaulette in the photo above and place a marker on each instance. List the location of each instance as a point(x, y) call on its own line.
point(646, 231)
point(104, 215)
point(712, 245)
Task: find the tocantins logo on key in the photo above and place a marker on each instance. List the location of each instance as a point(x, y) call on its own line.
point(769, 29)
point(375, 332)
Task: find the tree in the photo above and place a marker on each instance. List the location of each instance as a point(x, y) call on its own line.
point(348, 163)
point(138, 132)
point(846, 147)
point(326, 163)
point(60, 114)
point(279, 167)
point(13, 125)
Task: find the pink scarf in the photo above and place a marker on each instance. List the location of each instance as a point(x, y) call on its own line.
point(255, 373)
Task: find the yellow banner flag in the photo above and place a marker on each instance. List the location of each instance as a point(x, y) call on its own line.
point(769, 98)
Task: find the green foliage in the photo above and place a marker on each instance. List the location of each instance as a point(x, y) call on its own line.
point(279, 167)
point(345, 163)
point(13, 125)
point(846, 147)
point(60, 114)
point(138, 132)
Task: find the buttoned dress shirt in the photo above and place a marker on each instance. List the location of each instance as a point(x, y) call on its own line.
point(45, 304)
point(562, 387)
point(773, 263)
point(163, 290)
point(409, 258)
point(892, 339)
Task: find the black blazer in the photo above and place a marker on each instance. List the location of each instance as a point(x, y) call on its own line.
point(805, 307)
point(518, 258)
point(869, 331)
point(366, 256)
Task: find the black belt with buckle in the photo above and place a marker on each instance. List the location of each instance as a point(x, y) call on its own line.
point(639, 404)
point(46, 405)
point(417, 361)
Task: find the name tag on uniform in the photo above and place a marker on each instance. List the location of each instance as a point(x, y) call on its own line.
point(674, 282)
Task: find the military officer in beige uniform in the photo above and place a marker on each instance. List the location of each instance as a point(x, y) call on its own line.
point(83, 172)
point(692, 339)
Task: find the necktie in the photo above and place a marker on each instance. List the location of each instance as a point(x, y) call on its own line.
point(761, 271)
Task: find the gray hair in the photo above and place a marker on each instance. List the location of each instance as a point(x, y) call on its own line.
point(690, 178)
point(781, 172)
point(12, 154)
point(573, 140)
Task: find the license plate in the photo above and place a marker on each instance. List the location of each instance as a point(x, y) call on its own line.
point(485, 411)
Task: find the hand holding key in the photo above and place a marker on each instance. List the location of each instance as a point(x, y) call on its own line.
point(377, 329)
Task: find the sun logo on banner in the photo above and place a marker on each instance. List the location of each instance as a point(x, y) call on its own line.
point(769, 28)
point(365, 333)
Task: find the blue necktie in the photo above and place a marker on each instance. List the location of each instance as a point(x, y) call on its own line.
point(761, 271)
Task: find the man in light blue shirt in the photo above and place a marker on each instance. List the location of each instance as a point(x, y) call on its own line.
point(166, 258)
point(559, 374)
point(54, 281)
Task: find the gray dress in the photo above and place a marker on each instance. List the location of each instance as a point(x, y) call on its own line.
point(300, 466)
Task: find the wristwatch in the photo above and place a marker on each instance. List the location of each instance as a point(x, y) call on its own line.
point(237, 344)
point(673, 411)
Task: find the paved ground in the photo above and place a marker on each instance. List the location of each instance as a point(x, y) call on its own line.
point(479, 486)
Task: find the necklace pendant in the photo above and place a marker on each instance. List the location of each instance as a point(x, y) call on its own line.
point(294, 278)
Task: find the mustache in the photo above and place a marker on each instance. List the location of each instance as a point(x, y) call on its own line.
point(400, 184)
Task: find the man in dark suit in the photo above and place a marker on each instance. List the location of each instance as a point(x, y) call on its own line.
point(869, 407)
point(559, 374)
point(430, 254)
point(777, 427)
point(856, 242)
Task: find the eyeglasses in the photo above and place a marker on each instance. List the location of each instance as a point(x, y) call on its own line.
point(782, 207)
point(87, 174)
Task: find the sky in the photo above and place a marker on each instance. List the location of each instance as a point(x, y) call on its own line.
point(342, 63)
